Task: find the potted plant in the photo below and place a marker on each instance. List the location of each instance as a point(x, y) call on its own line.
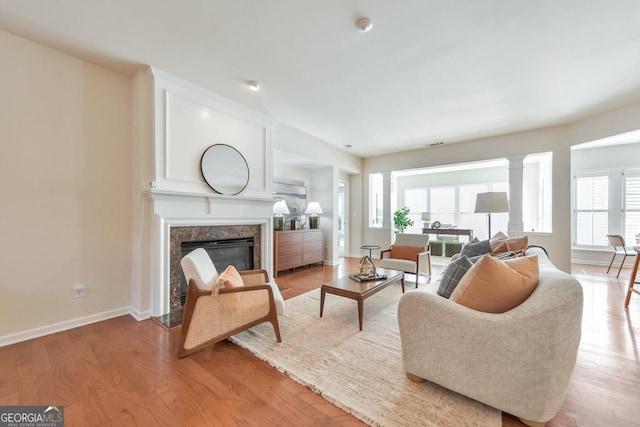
point(401, 219)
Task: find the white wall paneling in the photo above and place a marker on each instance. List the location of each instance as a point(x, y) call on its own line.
point(189, 119)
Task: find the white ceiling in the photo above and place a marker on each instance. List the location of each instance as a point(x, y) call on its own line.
point(428, 71)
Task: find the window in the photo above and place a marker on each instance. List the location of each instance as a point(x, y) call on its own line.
point(443, 205)
point(454, 205)
point(591, 211)
point(416, 200)
point(375, 200)
point(631, 206)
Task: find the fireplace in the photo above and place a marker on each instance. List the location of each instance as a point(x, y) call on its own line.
point(223, 252)
point(219, 240)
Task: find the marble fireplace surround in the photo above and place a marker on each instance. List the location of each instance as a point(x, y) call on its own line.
point(201, 217)
point(177, 235)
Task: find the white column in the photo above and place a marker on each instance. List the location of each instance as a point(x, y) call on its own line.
point(386, 202)
point(516, 173)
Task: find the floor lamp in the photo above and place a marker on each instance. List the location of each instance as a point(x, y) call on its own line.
point(492, 202)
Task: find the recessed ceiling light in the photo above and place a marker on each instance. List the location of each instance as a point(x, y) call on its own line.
point(254, 85)
point(364, 25)
point(347, 146)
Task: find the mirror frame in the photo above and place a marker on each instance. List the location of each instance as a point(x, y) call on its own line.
point(224, 157)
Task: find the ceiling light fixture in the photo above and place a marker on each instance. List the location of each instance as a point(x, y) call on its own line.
point(254, 85)
point(364, 25)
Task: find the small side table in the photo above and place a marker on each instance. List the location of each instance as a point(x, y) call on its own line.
point(370, 247)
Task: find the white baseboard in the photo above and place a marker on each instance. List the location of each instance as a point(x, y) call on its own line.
point(591, 262)
point(66, 325)
point(139, 315)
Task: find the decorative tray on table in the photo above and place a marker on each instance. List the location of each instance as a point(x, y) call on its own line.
point(360, 278)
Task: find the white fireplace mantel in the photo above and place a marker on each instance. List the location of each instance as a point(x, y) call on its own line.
point(176, 209)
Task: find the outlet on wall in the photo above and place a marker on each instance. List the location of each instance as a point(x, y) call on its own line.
point(78, 290)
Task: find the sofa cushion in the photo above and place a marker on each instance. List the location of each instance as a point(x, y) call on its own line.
point(515, 244)
point(398, 264)
point(508, 255)
point(406, 252)
point(197, 265)
point(495, 286)
point(472, 249)
point(452, 275)
point(497, 238)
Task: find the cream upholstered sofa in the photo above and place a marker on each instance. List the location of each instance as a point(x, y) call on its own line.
point(519, 361)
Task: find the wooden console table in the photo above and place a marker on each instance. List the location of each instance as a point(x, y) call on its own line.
point(449, 232)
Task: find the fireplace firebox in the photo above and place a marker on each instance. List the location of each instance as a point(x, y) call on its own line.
point(223, 252)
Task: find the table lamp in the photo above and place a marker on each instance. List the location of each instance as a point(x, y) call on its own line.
point(279, 210)
point(313, 209)
point(492, 202)
point(426, 219)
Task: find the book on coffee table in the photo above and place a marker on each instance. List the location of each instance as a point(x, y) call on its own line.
point(359, 278)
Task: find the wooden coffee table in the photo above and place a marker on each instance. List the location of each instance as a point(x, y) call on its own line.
point(360, 291)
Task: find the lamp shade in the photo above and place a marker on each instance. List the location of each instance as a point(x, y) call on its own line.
point(280, 208)
point(492, 202)
point(426, 216)
point(313, 208)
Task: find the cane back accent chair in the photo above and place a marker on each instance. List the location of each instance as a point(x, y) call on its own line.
point(212, 315)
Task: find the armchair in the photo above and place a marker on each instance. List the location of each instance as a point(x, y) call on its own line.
point(212, 315)
point(619, 248)
point(519, 361)
point(410, 253)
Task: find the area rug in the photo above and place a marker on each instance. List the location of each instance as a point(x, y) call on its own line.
point(360, 372)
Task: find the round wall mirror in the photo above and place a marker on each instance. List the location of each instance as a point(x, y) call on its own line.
point(224, 169)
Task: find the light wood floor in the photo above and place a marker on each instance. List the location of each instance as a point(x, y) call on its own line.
point(124, 372)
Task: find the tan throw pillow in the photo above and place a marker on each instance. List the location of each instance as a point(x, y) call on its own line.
point(229, 278)
point(406, 252)
point(497, 238)
point(515, 244)
point(495, 286)
point(500, 248)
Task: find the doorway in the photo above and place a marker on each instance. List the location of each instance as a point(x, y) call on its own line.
point(343, 214)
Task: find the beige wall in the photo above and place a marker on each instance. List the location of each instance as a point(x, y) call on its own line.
point(65, 183)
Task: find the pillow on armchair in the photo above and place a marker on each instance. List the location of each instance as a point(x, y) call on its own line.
point(406, 252)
